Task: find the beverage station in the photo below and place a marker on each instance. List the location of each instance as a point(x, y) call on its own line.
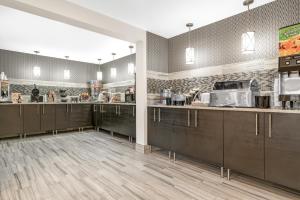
point(237, 126)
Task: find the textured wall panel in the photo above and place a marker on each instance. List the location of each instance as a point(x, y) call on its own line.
point(20, 65)
point(157, 53)
point(26, 90)
point(121, 65)
point(220, 43)
point(265, 79)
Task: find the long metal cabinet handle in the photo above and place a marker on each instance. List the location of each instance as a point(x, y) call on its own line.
point(159, 115)
point(154, 119)
point(196, 118)
point(133, 111)
point(20, 110)
point(270, 125)
point(189, 123)
point(256, 124)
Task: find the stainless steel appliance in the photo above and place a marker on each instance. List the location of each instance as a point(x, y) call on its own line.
point(4, 89)
point(234, 93)
point(178, 99)
point(166, 96)
point(289, 66)
point(130, 95)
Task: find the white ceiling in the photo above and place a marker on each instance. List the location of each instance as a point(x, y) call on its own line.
point(167, 17)
point(25, 32)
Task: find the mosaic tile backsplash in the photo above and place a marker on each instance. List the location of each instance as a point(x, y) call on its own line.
point(26, 89)
point(265, 79)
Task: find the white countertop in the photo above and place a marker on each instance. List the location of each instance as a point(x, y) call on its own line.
point(270, 110)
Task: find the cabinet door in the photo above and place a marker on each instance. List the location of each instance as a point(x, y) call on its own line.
point(181, 121)
point(75, 114)
point(123, 120)
point(86, 115)
point(47, 117)
point(115, 119)
point(282, 143)
point(126, 120)
point(99, 116)
point(32, 119)
point(205, 136)
point(11, 120)
point(244, 142)
point(132, 121)
point(96, 113)
point(106, 117)
point(159, 128)
point(62, 116)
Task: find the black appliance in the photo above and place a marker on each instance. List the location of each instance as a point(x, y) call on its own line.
point(130, 98)
point(35, 94)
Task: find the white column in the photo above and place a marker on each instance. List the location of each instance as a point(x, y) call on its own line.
point(141, 93)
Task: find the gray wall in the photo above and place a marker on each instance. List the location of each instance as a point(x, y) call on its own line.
point(121, 65)
point(20, 65)
point(157, 53)
point(220, 43)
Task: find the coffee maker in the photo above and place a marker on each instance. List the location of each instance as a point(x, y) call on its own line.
point(289, 67)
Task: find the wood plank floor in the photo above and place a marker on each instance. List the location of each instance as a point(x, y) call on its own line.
point(93, 165)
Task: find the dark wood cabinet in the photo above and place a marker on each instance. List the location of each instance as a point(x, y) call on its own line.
point(118, 118)
point(11, 120)
point(160, 127)
point(180, 120)
point(205, 136)
point(80, 115)
point(62, 116)
point(193, 133)
point(106, 114)
point(32, 119)
point(47, 117)
point(126, 122)
point(244, 142)
point(282, 144)
point(96, 115)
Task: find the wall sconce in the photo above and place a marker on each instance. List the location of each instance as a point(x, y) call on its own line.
point(248, 38)
point(248, 42)
point(113, 72)
point(190, 51)
point(131, 67)
point(99, 73)
point(66, 74)
point(36, 69)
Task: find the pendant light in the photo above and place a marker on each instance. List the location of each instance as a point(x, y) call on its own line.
point(189, 51)
point(36, 69)
point(66, 70)
point(248, 38)
point(131, 67)
point(99, 72)
point(113, 70)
